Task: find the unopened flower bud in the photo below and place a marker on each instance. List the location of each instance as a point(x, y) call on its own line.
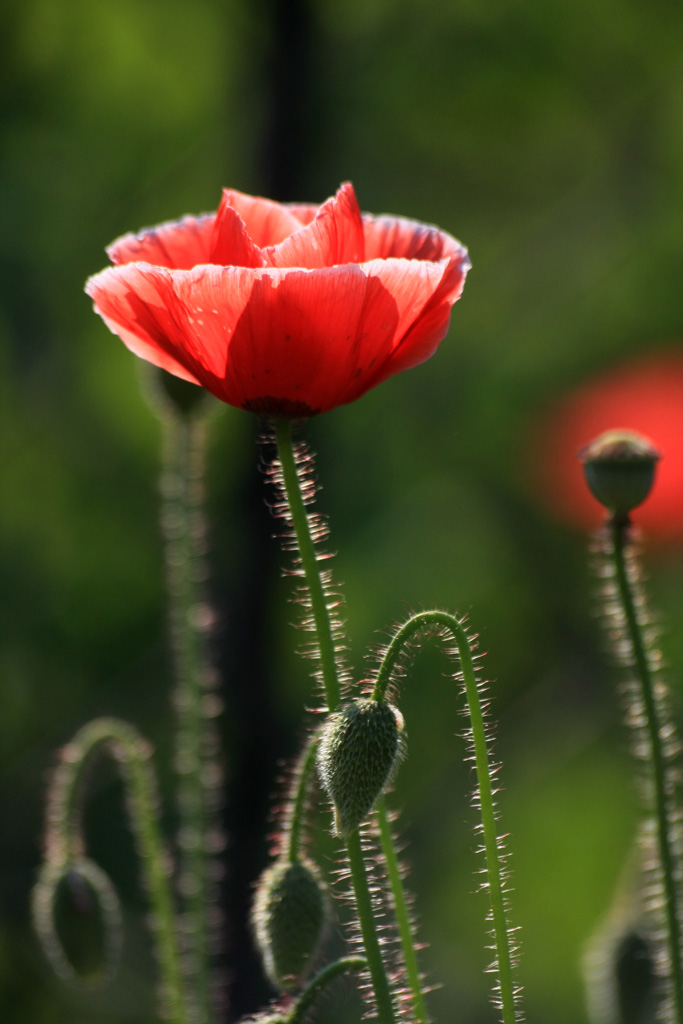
point(288, 917)
point(619, 467)
point(359, 751)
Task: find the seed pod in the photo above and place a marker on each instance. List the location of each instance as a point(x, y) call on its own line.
point(288, 918)
point(620, 467)
point(359, 751)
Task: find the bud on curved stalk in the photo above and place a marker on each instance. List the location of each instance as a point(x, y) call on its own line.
point(620, 467)
point(360, 750)
point(289, 916)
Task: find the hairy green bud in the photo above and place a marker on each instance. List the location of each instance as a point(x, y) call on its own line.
point(288, 917)
point(359, 751)
point(619, 467)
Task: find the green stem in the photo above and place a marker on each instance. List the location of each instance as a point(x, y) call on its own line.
point(655, 730)
point(319, 982)
point(65, 839)
point(383, 1001)
point(501, 934)
point(295, 817)
point(405, 928)
point(330, 676)
point(309, 563)
point(185, 438)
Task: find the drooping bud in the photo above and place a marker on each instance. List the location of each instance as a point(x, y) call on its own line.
point(359, 751)
point(619, 467)
point(288, 917)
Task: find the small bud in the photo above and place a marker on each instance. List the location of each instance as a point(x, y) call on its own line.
point(359, 751)
point(619, 467)
point(288, 918)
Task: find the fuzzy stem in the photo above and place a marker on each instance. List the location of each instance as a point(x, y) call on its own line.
point(65, 836)
point(318, 983)
point(401, 912)
point(655, 730)
point(494, 871)
point(330, 677)
point(302, 529)
point(184, 445)
point(295, 818)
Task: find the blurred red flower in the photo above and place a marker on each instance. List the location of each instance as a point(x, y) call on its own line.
point(287, 310)
point(645, 395)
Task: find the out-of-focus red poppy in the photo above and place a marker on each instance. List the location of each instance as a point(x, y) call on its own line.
point(282, 309)
point(645, 395)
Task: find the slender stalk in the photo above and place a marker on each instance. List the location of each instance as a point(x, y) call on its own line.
point(330, 676)
point(65, 842)
point(494, 871)
point(309, 563)
point(317, 984)
point(295, 817)
point(401, 911)
point(655, 730)
point(184, 444)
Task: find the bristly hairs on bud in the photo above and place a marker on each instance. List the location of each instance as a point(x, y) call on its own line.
point(461, 646)
point(633, 634)
point(319, 532)
point(66, 857)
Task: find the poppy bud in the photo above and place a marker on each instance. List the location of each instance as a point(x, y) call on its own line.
point(619, 467)
point(360, 748)
point(288, 918)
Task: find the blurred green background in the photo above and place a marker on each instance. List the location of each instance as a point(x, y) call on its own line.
point(547, 137)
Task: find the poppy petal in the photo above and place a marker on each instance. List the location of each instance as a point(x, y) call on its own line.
point(180, 244)
point(131, 300)
point(397, 237)
point(267, 222)
point(231, 244)
point(333, 238)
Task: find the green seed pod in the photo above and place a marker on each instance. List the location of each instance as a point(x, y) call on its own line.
point(288, 918)
point(359, 751)
point(619, 467)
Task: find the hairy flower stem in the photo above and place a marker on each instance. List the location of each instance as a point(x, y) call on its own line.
point(330, 676)
point(65, 843)
point(656, 728)
point(182, 519)
point(401, 912)
point(309, 563)
point(327, 974)
point(501, 933)
point(296, 814)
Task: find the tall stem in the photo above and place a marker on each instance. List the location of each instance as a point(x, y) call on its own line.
point(656, 730)
point(401, 911)
point(197, 776)
point(494, 871)
point(302, 529)
point(329, 672)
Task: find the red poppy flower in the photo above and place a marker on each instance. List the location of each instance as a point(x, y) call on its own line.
point(286, 310)
point(645, 395)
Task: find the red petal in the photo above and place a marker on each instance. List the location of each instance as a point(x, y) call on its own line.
point(304, 212)
point(430, 328)
point(267, 223)
point(132, 303)
point(387, 237)
point(231, 244)
point(333, 238)
point(180, 244)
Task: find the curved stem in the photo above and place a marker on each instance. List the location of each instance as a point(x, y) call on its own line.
point(184, 444)
point(309, 562)
point(65, 838)
point(654, 729)
point(295, 817)
point(318, 983)
point(401, 911)
point(330, 677)
point(456, 630)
